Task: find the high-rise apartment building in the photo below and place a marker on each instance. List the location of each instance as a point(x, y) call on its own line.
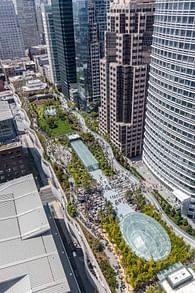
point(25, 10)
point(169, 143)
point(124, 73)
point(58, 26)
point(11, 40)
point(90, 19)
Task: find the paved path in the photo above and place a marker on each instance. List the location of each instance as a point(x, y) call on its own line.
point(107, 150)
point(187, 238)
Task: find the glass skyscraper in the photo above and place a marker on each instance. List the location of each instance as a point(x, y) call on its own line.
point(169, 143)
point(64, 36)
point(90, 21)
point(59, 30)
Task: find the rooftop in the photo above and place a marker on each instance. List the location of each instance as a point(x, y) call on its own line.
point(5, 111)
point(28, 258)
point(177, 279)
point(180, 195)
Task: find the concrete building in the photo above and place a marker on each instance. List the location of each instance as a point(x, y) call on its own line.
point(177, 279)
point(37, 50)
point(11, 40)
point(14, 162)
point(59, 34)
point(29, 259)
point(25, 10)
point(169, 149)
point(124, 73)
point(34, 85)
point(8, 130)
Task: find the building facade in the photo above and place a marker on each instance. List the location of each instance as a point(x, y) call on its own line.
point(8, 129)
point(26, 12)
point(50, 39)
point(64, 34)
point(40, 24)
point(11, 40)
point(58, 24)
point(13, 162)
point(169, 143)
point(90, 19)
point(124, 73)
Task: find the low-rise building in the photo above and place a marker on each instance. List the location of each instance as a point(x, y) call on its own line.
point(177, 279)
point(34, 85)
point(38, 50)
point(7, 95)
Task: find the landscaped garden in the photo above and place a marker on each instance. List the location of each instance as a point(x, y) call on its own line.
point(55, 125)
point(62, 177)
point(96, 150)
point(91, 120)
point(102, 259)
point(174, 215)
point(79, 172)
point(138, 271)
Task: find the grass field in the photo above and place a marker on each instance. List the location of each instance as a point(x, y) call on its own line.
point(62, 125)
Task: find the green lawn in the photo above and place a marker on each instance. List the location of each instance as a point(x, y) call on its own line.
point(62, 125)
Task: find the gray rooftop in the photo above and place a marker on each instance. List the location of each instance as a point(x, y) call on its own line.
point(28, 255)
point(5, 111)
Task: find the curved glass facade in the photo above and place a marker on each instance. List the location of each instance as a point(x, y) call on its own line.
point(169, 143)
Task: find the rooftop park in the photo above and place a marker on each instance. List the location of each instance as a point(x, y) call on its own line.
point(96, 150)
point(174, 215)
point(102, 259)
point(91, 120)
point(140, 272)
point(52, 119)
point(79, 172)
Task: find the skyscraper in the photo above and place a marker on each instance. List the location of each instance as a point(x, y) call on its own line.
point(64, 34)
point(11, 40)
point(124, 73)
point(169, 143)
point(40, 24)
point(25, 10)
point(58, 25)
point(90, 24)
point(50, 39)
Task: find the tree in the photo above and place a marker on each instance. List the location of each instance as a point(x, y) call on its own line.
point(71, 209)
point(51, 122)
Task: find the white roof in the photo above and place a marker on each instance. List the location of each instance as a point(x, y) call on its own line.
point(181, 195)
point(5, 111)
point(188, 287)
point(27, 247)
point(179, 275)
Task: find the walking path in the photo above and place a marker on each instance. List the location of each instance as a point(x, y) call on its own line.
point(107, 150)
point(106, 147)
